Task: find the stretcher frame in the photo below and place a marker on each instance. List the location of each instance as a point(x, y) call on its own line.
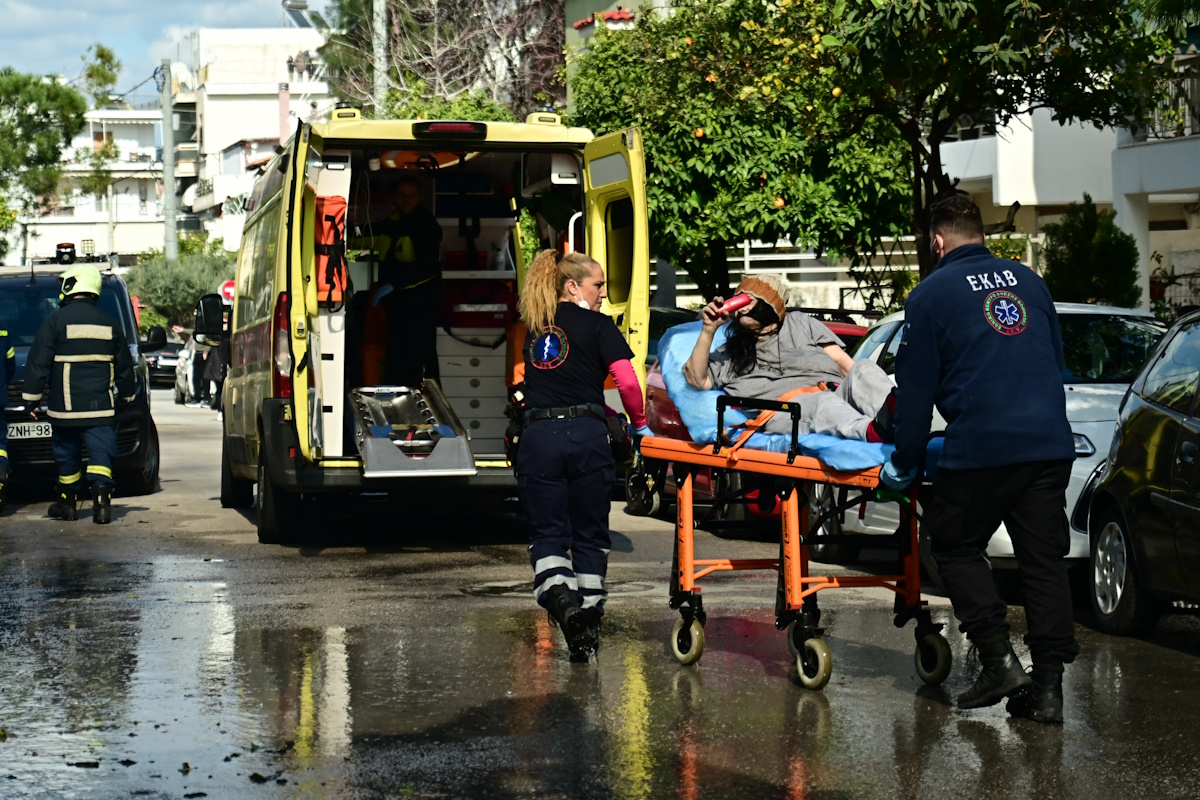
point(796, 608)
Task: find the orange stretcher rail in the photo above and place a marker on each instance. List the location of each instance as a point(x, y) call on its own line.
point(794, 477)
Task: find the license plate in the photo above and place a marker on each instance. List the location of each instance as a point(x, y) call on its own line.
point(29, 430)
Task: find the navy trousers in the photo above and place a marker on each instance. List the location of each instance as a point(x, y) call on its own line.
point(565, 474)
point(67, 443)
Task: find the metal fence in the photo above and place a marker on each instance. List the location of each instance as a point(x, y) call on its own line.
point(1178, 110)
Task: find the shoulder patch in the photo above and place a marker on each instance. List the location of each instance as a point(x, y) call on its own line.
point(550, 349)
point(1005, 312)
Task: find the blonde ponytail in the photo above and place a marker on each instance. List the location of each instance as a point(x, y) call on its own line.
point(548, 274)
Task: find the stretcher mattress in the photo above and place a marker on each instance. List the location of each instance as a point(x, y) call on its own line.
point(698, 410)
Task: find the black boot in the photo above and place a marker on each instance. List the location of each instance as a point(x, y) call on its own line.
point(577, 624)
point(1001, 676)
point(3, 495)
point(64, 507)
point(1042, 700)
point(102, 504)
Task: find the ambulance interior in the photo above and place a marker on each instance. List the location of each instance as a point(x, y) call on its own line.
point(478, 199)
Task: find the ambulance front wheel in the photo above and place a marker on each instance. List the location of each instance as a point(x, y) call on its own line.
point(932, 658)
point(814, 664)
point(687, 642)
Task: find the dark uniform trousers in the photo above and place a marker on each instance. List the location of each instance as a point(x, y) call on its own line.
point(413, 314)
point(67, 443)
point(967, 507)
point(565, 474)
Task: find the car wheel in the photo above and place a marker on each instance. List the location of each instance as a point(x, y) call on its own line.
point(1120, 603)
point(145, 480)
point(823, 498)
point(277, 517)
point(235, 492)
point(727, 485)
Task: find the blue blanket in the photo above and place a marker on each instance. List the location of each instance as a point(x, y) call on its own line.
point(698, 410)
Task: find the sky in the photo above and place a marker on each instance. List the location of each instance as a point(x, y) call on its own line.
point(51, 36)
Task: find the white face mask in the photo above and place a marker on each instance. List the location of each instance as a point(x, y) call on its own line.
point(583, 304)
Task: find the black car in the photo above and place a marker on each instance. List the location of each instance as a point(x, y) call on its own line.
point(161, 364)
point(25, 300)
point(1144, 516)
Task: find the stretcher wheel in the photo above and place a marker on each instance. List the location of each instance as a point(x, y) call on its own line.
point(932, 658)
point(795, 638)
point(687, 642)
point(814, 664)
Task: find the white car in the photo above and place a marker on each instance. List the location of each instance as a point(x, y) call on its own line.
point(1104, 348)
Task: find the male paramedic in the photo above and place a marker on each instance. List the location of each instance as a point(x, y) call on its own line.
point(410, 276)
point(78, 354)
point(8, 365)
point(981, 341)
point(772, 351)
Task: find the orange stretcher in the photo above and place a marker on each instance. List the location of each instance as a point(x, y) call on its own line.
point(793, 477)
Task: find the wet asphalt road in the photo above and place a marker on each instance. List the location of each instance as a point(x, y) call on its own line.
point(170, 655)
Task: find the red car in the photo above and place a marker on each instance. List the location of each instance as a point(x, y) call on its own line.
point(647, 483)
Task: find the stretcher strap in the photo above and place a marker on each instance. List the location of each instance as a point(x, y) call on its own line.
point(751, 426)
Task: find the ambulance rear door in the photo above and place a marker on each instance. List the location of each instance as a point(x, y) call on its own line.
point(618, 234)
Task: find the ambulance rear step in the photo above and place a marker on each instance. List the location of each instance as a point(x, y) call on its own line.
point(409, 433)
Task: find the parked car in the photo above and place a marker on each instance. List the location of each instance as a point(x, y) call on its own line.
point(186, 380)
point(25, 300)
point(161, 365)
point(1146, 502)
point(664, 420)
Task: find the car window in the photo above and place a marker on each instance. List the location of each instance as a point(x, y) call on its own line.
point(1171, 379)
point(887, 359)
point(869, 345)
point(24, 307)
point(1106, 348)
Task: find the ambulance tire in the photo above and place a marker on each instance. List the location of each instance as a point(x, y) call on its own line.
point(277, 510)
point(235, 492)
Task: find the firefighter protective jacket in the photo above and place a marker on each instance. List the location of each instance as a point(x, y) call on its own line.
point(82, 352)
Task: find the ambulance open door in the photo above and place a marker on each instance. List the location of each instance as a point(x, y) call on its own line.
point(617, 232)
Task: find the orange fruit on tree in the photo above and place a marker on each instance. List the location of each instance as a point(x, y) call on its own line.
point(780, 202)
point(837, 91)
point(699, 133)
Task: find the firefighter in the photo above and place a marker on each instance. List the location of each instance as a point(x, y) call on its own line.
point(78, 355)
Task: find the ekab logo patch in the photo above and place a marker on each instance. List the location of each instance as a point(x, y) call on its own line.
point(550, 349)
point(1005, 312)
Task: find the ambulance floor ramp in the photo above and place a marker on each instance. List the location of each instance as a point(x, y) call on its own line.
point(403, 432)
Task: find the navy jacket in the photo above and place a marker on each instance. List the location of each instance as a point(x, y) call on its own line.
point(981, 341)
point(8, 362)
point(78, 355)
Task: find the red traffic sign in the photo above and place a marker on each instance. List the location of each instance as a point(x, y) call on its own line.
point(226, 290)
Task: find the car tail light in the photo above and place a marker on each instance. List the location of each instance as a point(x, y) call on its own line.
point(281, 350)
point(1084, 446)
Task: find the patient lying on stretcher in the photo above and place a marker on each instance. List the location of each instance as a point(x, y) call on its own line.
point(771, 352)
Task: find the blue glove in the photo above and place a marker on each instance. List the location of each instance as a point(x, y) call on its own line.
point(382, 292)
point(895, 479)
point(643, 431)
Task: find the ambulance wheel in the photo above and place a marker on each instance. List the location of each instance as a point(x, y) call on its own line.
point(932, 658)
point(687, 642)
point(277, 510)
point(235, 492)
point(814, 665)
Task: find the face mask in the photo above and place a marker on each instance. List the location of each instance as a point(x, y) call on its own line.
point(584, 304)
point(763, 314)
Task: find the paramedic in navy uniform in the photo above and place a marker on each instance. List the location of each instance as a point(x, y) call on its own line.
point(565, 468)
point(982, 343)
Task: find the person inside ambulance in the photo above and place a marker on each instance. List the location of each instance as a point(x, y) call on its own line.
point(772, 352)
point(408, 245)
point(78, 355)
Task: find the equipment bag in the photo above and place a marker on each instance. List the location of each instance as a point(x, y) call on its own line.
point(333, 278)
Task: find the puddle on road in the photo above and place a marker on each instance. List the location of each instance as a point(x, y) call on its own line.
point(525, 588)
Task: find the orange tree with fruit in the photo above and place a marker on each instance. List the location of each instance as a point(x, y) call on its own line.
point(749, 131)
point(925, 66)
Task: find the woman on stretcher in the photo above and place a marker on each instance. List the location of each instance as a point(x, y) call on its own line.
point(771, 352)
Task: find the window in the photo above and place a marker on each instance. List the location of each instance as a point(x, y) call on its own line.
point(887, 361)
point(1171, 380)
point(869, 345)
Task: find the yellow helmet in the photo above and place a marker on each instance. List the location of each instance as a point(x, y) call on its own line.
point(80, 279)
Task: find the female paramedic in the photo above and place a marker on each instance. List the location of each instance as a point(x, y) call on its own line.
point(565, 468)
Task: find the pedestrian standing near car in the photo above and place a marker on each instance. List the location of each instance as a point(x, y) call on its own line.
point(8, 366)
point(78, 354)
point(565, 466)
point(981, 341)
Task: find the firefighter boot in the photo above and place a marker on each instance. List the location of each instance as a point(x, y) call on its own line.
point(564, 609)
point(102, 504)
point(1042, 700)
point(64, 507)
point(586, 641)
point(1001, 676)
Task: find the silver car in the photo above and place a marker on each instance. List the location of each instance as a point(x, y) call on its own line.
point(1104, 348)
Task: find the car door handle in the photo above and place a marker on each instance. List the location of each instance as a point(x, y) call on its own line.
point(1187, 452)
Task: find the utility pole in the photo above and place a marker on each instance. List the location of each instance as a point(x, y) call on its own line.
point(170, 212)
point(379, 53)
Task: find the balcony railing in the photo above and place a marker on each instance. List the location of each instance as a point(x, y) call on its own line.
point(1178, 111)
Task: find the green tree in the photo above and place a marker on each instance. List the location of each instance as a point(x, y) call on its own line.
point(738, 102)
point(926, 65)
point(38, 118)
point(420, 104)
point(1089, 259)
point(172, 288)
point(100, 70)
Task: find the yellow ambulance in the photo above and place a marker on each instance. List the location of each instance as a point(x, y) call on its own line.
point(306, 410)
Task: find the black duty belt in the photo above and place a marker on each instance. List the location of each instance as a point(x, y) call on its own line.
point(565, 412)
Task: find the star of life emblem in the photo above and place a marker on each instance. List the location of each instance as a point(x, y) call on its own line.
point(1005, 312)
point(550, 349)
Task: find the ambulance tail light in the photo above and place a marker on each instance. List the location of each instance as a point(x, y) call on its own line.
point(281, 350)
